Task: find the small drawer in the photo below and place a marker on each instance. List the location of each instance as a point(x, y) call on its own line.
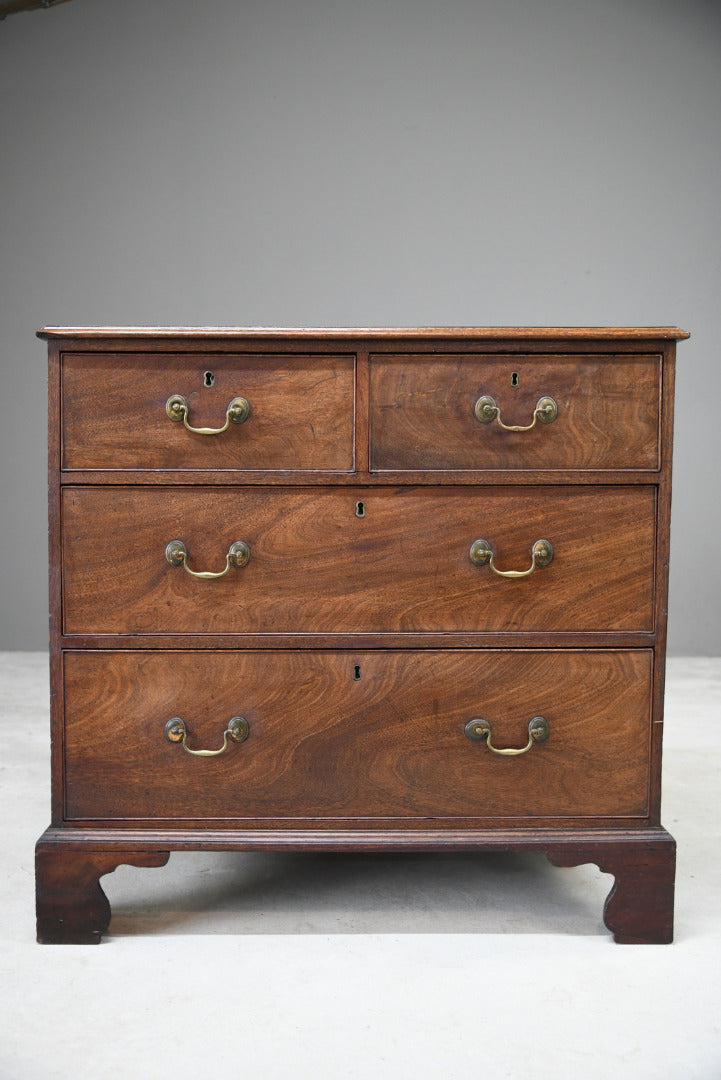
point(365, 735)
point(357, 560)
point(446, 412)
point(125, 411)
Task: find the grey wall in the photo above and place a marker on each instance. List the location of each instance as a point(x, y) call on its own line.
point(341, 162)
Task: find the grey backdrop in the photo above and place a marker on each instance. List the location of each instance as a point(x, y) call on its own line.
point(361, 162)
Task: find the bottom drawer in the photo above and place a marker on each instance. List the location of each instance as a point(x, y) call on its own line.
point(364, 735)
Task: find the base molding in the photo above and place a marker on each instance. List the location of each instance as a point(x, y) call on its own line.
point(73, 909)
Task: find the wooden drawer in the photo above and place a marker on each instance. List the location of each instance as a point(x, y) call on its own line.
point(324, 743)
point(114, 411)
point(422, 412)
point(316, 567)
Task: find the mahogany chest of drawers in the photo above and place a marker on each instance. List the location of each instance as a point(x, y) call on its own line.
point(358, 590)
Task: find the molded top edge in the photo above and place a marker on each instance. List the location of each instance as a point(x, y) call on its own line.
point(491, 332)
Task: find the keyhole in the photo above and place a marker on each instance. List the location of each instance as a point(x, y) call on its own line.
point(356, 673)
point(208, 378)
point(514, 378)
point(360, 511)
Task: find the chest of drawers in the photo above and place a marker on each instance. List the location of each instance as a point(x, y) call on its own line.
point(358, 590)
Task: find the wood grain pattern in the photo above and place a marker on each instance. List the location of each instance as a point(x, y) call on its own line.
point(316, 567)
point(324, 744)
point(113, 409)
point(422, 412)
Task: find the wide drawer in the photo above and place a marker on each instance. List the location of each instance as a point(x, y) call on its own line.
point(423, 412)
point(114, 411)
point(356, 735)
point(315, 566)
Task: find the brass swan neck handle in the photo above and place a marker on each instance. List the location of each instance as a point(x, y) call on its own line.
point(237, 412)
point(176, 731)
point(238, 556)
point(481, 553)
point(486, 411)
point(479, 729)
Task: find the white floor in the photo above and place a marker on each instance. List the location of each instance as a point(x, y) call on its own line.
point(451, 967)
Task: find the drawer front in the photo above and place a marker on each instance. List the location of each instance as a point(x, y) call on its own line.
point(423, 412)
point(356, 735)
point(114, 411)
point(317, 567)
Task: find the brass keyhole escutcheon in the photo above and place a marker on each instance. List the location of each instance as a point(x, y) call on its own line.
point(208, 378)
point(360, 509)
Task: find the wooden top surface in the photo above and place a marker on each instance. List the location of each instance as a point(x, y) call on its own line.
point(598, 333)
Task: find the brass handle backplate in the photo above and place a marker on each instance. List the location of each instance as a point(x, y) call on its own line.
point(238, 555)
point(541, 555)
point(237, 412)
point(479, 729)
point(486, 411)
point(176, 731)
